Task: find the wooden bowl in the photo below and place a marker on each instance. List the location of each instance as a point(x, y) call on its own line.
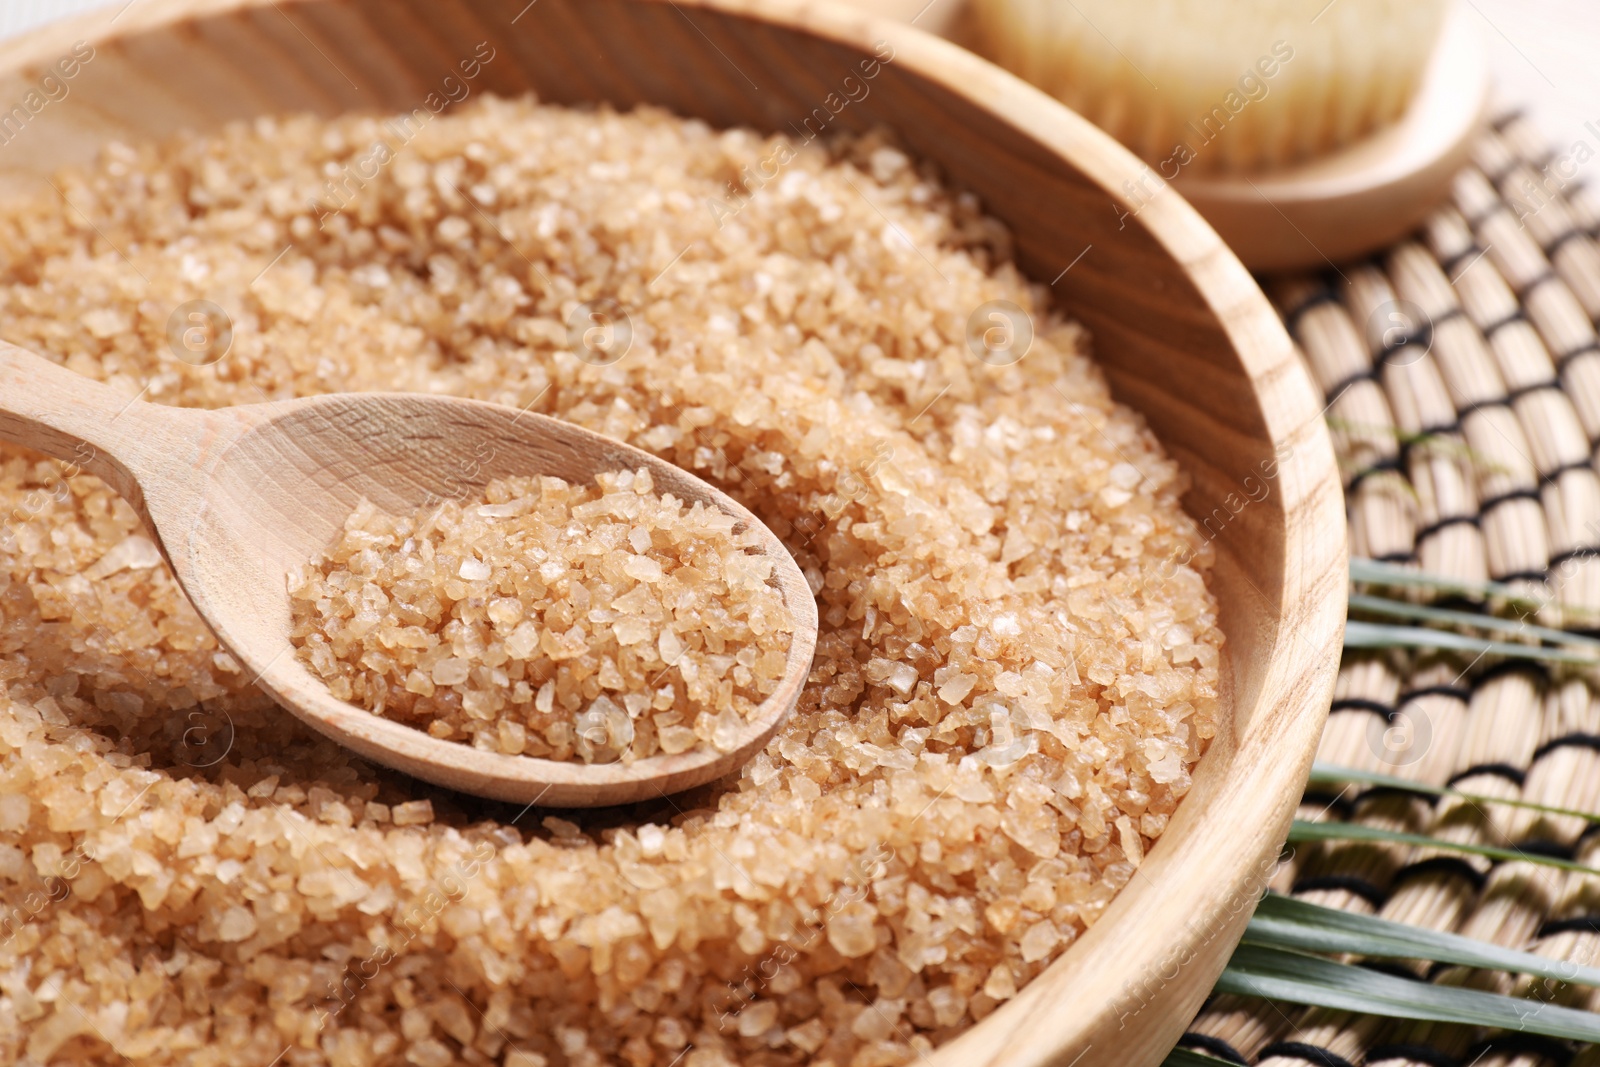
point(1180, 327)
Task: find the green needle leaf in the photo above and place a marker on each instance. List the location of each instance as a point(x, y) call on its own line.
point(1371, 570)
point(1275, 974)
point(1402, 609)
point(1359, 634)
point(1346, 831)
point(1287, 923)
point(1332, 774)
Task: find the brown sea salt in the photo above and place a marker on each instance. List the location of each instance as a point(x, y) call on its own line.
point(1011, 656)
point(597, 623)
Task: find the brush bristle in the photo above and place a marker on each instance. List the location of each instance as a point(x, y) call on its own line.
point(1249, 85)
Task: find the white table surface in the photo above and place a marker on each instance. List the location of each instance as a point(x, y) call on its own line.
point(1545, 53)
point(1546, 56)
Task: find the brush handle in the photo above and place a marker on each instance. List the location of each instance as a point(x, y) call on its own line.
point(81, 422)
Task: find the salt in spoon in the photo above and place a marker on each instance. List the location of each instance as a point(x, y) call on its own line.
point(237, 497)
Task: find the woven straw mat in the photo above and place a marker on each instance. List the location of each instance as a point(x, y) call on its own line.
point(1462, 373)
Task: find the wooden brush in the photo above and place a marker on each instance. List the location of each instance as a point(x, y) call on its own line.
point(1248, 86)
point(1307, 132)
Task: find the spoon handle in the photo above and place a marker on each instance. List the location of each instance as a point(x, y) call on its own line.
point(91, 426)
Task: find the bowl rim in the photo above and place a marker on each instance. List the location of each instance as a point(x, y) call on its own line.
point(1219, 849)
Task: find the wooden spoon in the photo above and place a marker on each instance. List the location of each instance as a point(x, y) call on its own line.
point(237, 497)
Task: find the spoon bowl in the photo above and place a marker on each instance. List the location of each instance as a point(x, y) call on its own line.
point(237, 497)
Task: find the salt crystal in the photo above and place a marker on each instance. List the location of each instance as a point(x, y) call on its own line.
point(14, 808)
point(631, 630)
point(134, 552)
point(957, 688)
point(643, 568)
point(474, 570)
point(604, 730)
point(480, 704)
point(1009, 683)
point(1039, 941)
point(652, 839)
point(1001, 984)
point(504, 611)
point(756, 1019)
point(872, 1024)
point(1034, 829)
point(729, 725)
point(747, 572)
point(809, 1036)
point(675, 739)
point(1114, 498)
point(670, 646)
point(104, 322)
point(412, 813)
point(1128, 837)
point(948, 1005)
point(523, 642)
point(236, 924)
point(451, 671)
point(430, 1052)
point(852, 930)
point(453, 228)
point(1125, 476)
point(1163, 762)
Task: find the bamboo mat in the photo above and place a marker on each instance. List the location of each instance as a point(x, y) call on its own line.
point(1462, 373)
